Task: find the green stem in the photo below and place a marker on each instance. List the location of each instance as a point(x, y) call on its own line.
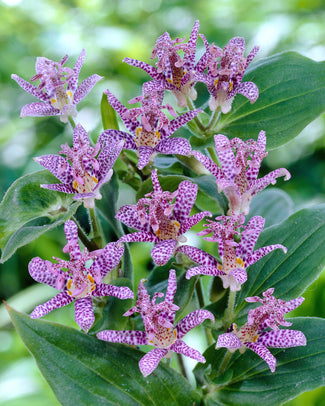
point(199, 293)
point(96, 231)
point(225, 362)
point(71, 121)
point(213, 120)
point(229, 313)
point(213, 155)
point(191, 107)
point(181, 365)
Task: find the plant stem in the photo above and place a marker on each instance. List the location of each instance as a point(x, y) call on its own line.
point(181, 365)
point(230, 308)
point(191, 106)
point(213, 120)
point(213, 155)
point(96, 232)
point(71, 121)
point(199, 293)
point(225, 362)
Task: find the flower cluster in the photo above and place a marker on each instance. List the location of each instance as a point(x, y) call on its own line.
point(162, 216)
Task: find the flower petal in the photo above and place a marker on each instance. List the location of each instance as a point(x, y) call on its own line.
point(129, 216)
point(228, 340)
point(249, 237)
point(40, 271)
point(140, 236)
point(181, 120)
point(211, 166)
point(39, 109)
point(144, 156)
point(261, 252)
point(60, 300)
point(264, 353)
point(150, 361)
point(282, 338)
point(121, 292)
point(192, 320)
point(163, 251)
point(85, 87)
point(204, 270)
point(33, 90)
point(58, 166)
point(108, 259)
point(109, 137)
point(182, 348)
point(174, 146)
point(197, 255)
point(190, 222)
point(132, 337)
point(71, 234)
point(84, 313)
point(226, 156)
point(185, 200)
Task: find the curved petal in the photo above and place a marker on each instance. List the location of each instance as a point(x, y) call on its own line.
point(60, 300)
point(58, 166)
point(204, 270)
point(247, 89)
point(174, 146)
point(163, 251)
point(71, 234)
point(140, 236)
point(261, 252)
point(121, 110)
point(108, 259)
point(282, 338)
point(84, 313)
point(132, 337)
point(190, 222)
point(228, 340)
point(249, 237)
point(182, 348)
point(150, 361)
point(40, 271)
point(39, 109)
point(151, 70)
point(185, 200)
point(85, 87)
point(264, 353)
point(73, 82)
point(109, 137)
point(259, 184)
point(107, 158)
point(33, 90)
point(181, 120)
point(192, 320)
point(292, 304)
point(121, 292)
point(60, 187)
point(144, 156)
point(226, 156)
point(211, 166)
point(197, 255)
point(129, 216)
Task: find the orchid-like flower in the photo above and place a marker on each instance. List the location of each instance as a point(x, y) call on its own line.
point(240, 163)
point(152, 133)
point(58, 89)
point(158, 320)
point(262, 331)
point(235, 257)
point(226, 68)
point(162, 217)
point(172, 71)
point(81, 173)
point(80, 282)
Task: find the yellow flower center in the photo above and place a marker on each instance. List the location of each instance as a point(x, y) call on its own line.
point(164, 337)
point(88, 186)
point(146, 138)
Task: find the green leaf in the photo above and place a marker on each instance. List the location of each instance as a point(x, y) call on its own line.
point(298, 369)
point(109, 118)
point(290, 274)
point(292, 94)
point(27, 211)
point(273, 204)
point(83, 371)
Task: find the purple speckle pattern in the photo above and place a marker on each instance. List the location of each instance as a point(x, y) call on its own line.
point(84, 314)
point(164, 215)
point(262, 328)
point(240, 163)
point(60, 300)
point(58, 90)
point(158, 320)
point(121, 292)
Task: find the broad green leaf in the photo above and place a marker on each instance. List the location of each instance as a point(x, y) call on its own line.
point(27, 211)
point(273, 204)
point(290, 274)
point(251, 382)
point(291, 95)
point(83, 371)
point(108, 114)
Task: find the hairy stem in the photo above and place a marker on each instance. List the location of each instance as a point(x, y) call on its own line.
point(71, 121)
point(200, 126)
point(229, 312)
point(96, 231)
point(213, 120)
point(225, 362)
point(181, 365)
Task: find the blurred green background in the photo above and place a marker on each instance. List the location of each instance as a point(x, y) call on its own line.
point(110, 31)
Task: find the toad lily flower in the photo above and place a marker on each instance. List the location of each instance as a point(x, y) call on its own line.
point(80, 282)
point(240, 163)
point(58, 89)
point(158, 320)
point(150, 135)
point(80, 172)
point(175, 73)
point(162, 217)
point(226, 68)
point(253, 334)
point(235, 257)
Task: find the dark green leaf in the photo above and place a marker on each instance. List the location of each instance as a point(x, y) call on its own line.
point(299, 369)
point(290, 274)
point(289, 84)
point(27, 211)
point(83, 371)
point(273, 204)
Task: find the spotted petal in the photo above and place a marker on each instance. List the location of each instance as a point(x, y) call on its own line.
point(39, 109)
point(182, 348)
point(121, 292)
point(282, 338)
point(109, 258)
point(163, 251)
point(185, 200)
point(204, 270)
point(249, 237)
point(132, 337)
point(58, 166)
point(151, 360)
point(144, 156)
point(174, 146)
point(109, 137)
point(197, 255)
point(85, 87)
point(192, 320)
point(84, 313)
point(264, 353)
point(40, 271)
point(60, 300)
point(129, 216)
point(228, 340)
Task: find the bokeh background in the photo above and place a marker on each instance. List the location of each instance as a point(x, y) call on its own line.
point(110, 31)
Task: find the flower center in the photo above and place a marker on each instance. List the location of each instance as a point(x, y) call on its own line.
point(86, 184)
point(164, 337)
point(168, 229)
point(81, 287)
point(146, 138)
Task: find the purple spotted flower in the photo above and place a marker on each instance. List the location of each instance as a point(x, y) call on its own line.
point(225, 71)
point(174, 72)
point(58, 89)
point(262, 331)
point(150, 130)
point(80, 282)
point(158, 320)
point(162, 217)
point(240, 163)
point(235, 257)
point(81, 173)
